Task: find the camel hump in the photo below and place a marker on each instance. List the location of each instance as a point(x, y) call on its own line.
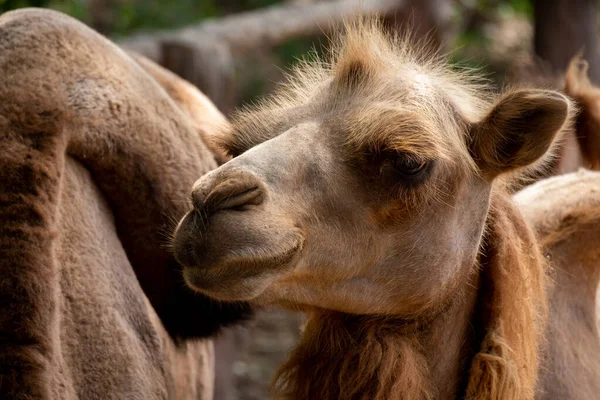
point(37, 49)
point(565, 214)
point(106, 112)
point(562, 206)
point(52, 63)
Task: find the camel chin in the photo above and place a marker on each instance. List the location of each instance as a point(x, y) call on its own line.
point(240, 264)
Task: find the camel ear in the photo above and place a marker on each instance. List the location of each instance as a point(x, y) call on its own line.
point(519, 129)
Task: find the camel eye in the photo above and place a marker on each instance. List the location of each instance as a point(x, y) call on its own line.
point(408, 165)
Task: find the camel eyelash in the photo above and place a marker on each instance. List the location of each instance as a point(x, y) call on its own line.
point(405, 170)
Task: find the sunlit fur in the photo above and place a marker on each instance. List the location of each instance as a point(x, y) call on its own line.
point(370, 357)
point(565, 212)
point(363, 62)
point(379, 361)
point(515, 278)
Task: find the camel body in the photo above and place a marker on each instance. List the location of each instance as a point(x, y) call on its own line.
point(565, 214)
point(98, 151)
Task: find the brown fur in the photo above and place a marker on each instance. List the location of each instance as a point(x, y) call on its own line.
point(203, 114)
point(362, 61)
point(565, 212)
point(342, 356)
point(371, 193)
point(515, 286)
point(96, 158)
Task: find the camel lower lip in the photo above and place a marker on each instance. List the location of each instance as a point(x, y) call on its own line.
point(230, 288)
point(229, 273)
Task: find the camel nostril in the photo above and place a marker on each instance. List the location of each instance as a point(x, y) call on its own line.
point(251, 196)
point(238, 190)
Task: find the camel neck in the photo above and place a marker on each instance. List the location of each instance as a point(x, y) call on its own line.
point(450, 342)
point(371, 357)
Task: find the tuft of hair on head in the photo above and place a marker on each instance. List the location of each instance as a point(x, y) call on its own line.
point(359, 50)
point(364, 61)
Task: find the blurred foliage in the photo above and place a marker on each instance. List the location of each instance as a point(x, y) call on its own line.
point(484, 9)
point(289, 53)
point(123, 17)
point(471, 40)
point(523, 7)
point(257, 73)
point(6, 5)
point(262, 71)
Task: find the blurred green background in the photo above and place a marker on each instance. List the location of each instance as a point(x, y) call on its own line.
point(123, 17)
point(257, 73)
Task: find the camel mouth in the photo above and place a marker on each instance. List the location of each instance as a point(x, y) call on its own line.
point(227, 287)
point(231, 258)
point(243, 276)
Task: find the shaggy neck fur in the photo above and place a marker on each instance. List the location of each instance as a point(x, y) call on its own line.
point(491, 329)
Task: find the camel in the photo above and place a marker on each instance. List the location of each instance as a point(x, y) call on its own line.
point(96, 162)
point(372, 192)
point(587, 126)
point(565, 212)
point(580, 147)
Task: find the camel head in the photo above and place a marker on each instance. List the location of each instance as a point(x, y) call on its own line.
point(364, 185)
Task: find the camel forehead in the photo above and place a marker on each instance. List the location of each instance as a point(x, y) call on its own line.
point(369, 74)
point(394, 113)
point(408, 89)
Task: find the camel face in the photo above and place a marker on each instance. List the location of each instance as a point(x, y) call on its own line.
point(363, 187)
point(302, 215)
